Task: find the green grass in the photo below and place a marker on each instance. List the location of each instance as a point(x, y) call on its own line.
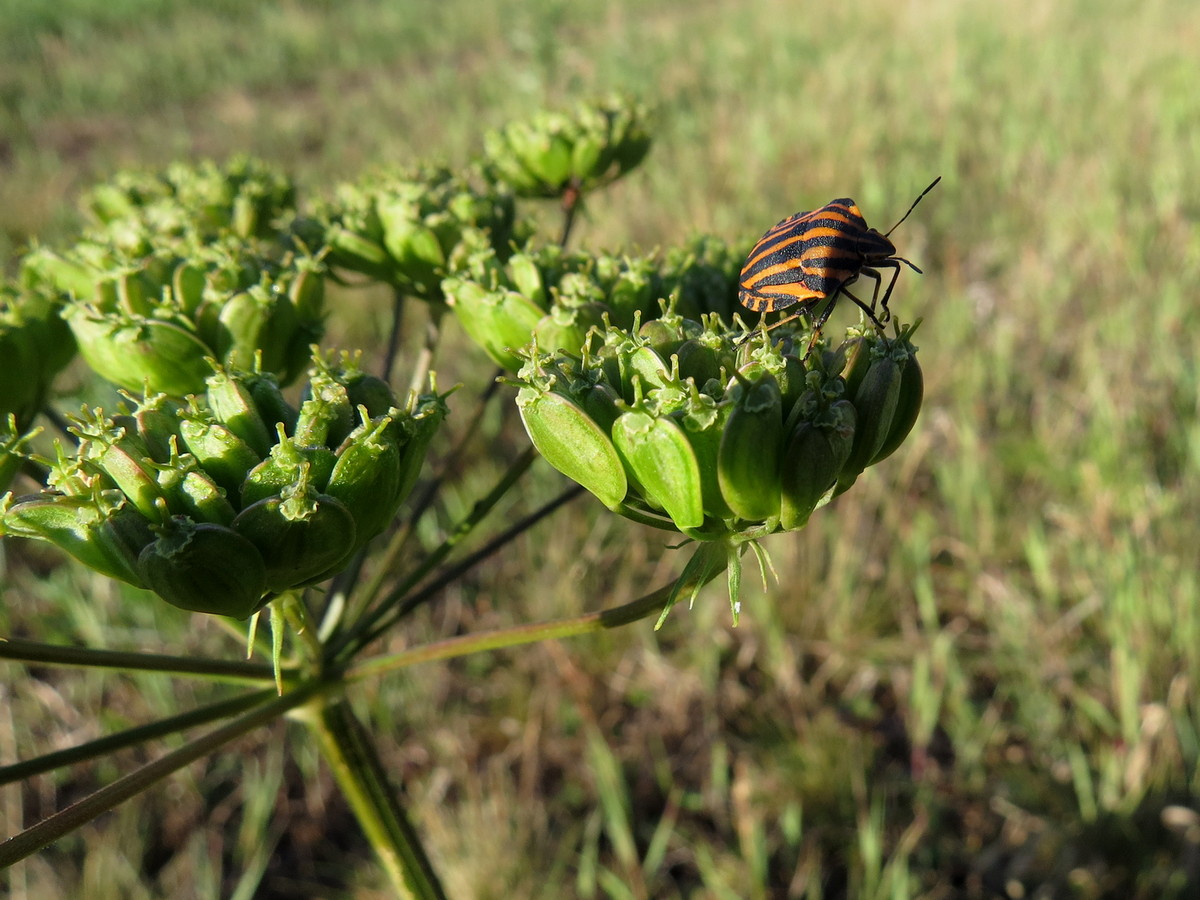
point(979, 672)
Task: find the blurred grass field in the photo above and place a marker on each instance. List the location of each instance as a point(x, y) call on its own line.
point(979, 673)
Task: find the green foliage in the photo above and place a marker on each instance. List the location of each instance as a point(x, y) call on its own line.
point(980, 668)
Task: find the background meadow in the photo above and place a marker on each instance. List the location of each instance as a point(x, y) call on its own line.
point(979, 672)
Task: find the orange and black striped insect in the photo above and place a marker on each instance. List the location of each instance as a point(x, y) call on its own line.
point(812, 257)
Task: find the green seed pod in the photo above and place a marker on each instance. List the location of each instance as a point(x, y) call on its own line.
point(646, 365)
point(303, 536)
point(751, 446)
point(233, 406)
point(498, 321)
point(419, 257)
point(357, 252)
point(573, 443)
point(812, 460)
point(42, 266)
point(526, 277)
point(698, 362)
point(908, 407)
point(269, 400)
point(425, 415)
point(307, 290)
point(126, 462)
point(205, 568)
point(659, 456)
point(370, 391)
point(326, 417)
point(253, 322)
point(566, 328)
point(19, 393)
point(600, 402)
point(192, 493)
point(792, 383)
point(367, 476)
point(187, 285)
point(875, 403)
point(156, 420)
point(703, 422)
point(107, 542)
point(853, 358)
point(665, 337)
point(283, 468)
point(222, 454)
point(150, 354)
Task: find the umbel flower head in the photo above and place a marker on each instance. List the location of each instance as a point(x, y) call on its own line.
point(411, 230)
point(222, 501)
point(589, 147)
point(244, 197)
point(690, 426)
point(35, 345)
point(153, 319)
point(556, 297)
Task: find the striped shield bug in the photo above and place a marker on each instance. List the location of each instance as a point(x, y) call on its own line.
point(810, 258)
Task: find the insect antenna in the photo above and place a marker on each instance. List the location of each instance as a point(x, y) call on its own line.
point(914, 206)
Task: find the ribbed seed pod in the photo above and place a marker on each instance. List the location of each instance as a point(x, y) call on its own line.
point(572, 442)
point(751, 445)
point(368, 473)
point(283, 468)
point(107, 541)
point(499, 321)
point(233, 406)
point(192, 493)
point(812, 460)
point(221, 453)
point(205, 568)
point(660, 457)
point(908, 407)
point(149, 353)
point(302, 535)
point(875, 403)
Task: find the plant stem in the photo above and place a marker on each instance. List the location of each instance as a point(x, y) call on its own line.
point(384, 563)
point(572, 199)
point(368, 627)
point(131, 737)
point(213, 669)
point(424, 362)
point(351, 755)
point(519, 634)
point(393, 341)
point(401, 604)
point(78, 814)
point(519, 527)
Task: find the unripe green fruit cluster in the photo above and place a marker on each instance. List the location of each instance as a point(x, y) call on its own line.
point(154, 321)
point(244, 197)
point(217, 504)
point(35, 345)
point(691, 426)
point(411, 230)
point(555, 297)
point(581, 150)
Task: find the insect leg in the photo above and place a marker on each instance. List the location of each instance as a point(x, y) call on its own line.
point(894, 265)
point(819, 321)
point(870, 310)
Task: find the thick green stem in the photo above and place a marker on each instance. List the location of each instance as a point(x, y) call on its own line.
point(520, 634)
point(356, 766)
point(212, 669)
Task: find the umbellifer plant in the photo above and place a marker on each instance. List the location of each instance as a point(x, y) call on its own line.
point(199, 294)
